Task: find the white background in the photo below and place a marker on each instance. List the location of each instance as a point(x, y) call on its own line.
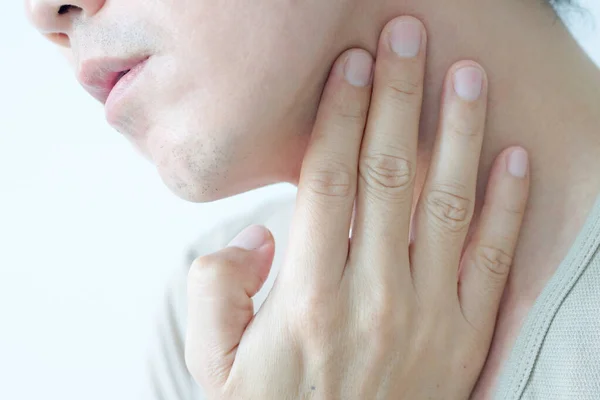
point(88, 233)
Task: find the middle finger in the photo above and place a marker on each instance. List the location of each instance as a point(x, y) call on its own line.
point(389, 151)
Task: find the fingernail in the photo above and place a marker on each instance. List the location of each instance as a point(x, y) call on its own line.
point(405, 38)
point(358, 68)
point(518, 163)
point(251, 238)
point(468, 83)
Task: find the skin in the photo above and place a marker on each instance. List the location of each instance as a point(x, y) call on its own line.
point(376, 317)
point(267, 65)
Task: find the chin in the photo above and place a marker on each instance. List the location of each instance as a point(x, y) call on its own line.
point(196, 190)
point(199, 175)
point(193, 192)
point(207, 179)
point(196, 163)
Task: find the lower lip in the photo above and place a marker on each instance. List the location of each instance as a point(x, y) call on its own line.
point(120, 90)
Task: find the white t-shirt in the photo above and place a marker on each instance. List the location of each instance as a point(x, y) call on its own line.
point(556, 356)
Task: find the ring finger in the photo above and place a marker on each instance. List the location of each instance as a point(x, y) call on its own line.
point(446, 204)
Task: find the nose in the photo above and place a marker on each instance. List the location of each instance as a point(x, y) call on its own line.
point(54, 18)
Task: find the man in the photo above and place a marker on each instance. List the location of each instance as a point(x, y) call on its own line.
point(172, 73)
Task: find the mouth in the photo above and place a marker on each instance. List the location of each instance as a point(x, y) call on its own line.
point(100, 77)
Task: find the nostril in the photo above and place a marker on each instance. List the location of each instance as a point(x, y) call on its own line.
point(64, 9)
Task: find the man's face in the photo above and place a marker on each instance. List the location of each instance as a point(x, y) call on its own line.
point(221, 93)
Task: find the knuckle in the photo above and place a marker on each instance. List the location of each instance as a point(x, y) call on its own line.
point(209, 271)
point(314, 317)
point(427, 338)
point(386, 173)
point(514, 210)
point(202, 269)
point(465, 128)
point(449, 210)
point(333, 180)
point(382, 320)
point(349, 113)
point(493, 260)
point(405, 90)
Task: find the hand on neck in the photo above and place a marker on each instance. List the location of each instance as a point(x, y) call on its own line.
point(544, 95)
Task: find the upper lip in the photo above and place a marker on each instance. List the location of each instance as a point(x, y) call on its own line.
point(100, 75)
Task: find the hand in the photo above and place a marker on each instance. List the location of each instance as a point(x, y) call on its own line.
point(375, 317)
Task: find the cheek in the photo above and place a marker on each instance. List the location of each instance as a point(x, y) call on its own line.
point(268, 52)
point(242, 93)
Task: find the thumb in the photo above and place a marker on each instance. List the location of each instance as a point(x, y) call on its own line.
point(220, 291)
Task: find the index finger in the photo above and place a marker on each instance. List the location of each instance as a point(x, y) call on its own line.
point(327, 187)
